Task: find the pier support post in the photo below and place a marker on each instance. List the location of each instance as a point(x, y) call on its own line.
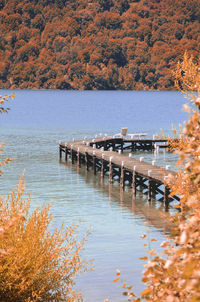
point(60, 149)
point(122, 178)
point(66, 150)
point(110, 172)
point(113, 146)
point(149, 189)
point(78, 159)
point(94, 165)
point(72, 155)
point(122, 146)
point(166, 196)
point(102, 168)
point(133, 185)
point(87, 161)
point(153, 190)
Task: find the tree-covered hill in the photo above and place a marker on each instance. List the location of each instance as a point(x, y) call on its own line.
point(95, 44)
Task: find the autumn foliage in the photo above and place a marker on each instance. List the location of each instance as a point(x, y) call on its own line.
point(99, 44)
point(35, 263)
point(174, 276)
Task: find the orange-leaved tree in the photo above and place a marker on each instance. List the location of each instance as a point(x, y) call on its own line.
point(174, 275)
point(36, 262)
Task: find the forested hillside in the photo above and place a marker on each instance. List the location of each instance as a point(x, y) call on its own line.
point(95, 44)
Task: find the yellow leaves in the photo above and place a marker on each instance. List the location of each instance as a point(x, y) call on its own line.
point(35, 262)
point(117, 279)
point(146, 292)
point(177, 206)
point(144, 258)
point(151, 253)
point(4, 99)
point(12, 96)
point(164, 244)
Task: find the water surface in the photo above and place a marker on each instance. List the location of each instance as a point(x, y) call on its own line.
point(32, 129)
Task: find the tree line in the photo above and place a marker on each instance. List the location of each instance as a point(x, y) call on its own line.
point(95, 44)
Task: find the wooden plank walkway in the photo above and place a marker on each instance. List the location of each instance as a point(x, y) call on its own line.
point(101, 155)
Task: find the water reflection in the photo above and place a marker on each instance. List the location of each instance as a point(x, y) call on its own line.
point(153, 212)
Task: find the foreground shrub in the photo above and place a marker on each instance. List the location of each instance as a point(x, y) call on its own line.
point(35, 263)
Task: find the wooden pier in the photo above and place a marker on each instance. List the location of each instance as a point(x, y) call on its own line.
point(105, 156)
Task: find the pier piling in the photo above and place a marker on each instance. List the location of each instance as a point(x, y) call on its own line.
point(102, 154)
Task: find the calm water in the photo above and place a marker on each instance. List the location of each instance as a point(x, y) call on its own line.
point(32, 129)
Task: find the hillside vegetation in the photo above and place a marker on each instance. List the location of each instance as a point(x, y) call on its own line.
point(96, 44)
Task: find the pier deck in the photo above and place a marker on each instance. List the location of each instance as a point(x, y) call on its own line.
point(101, 155)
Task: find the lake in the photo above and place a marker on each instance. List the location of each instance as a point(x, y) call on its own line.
point(37, 121)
